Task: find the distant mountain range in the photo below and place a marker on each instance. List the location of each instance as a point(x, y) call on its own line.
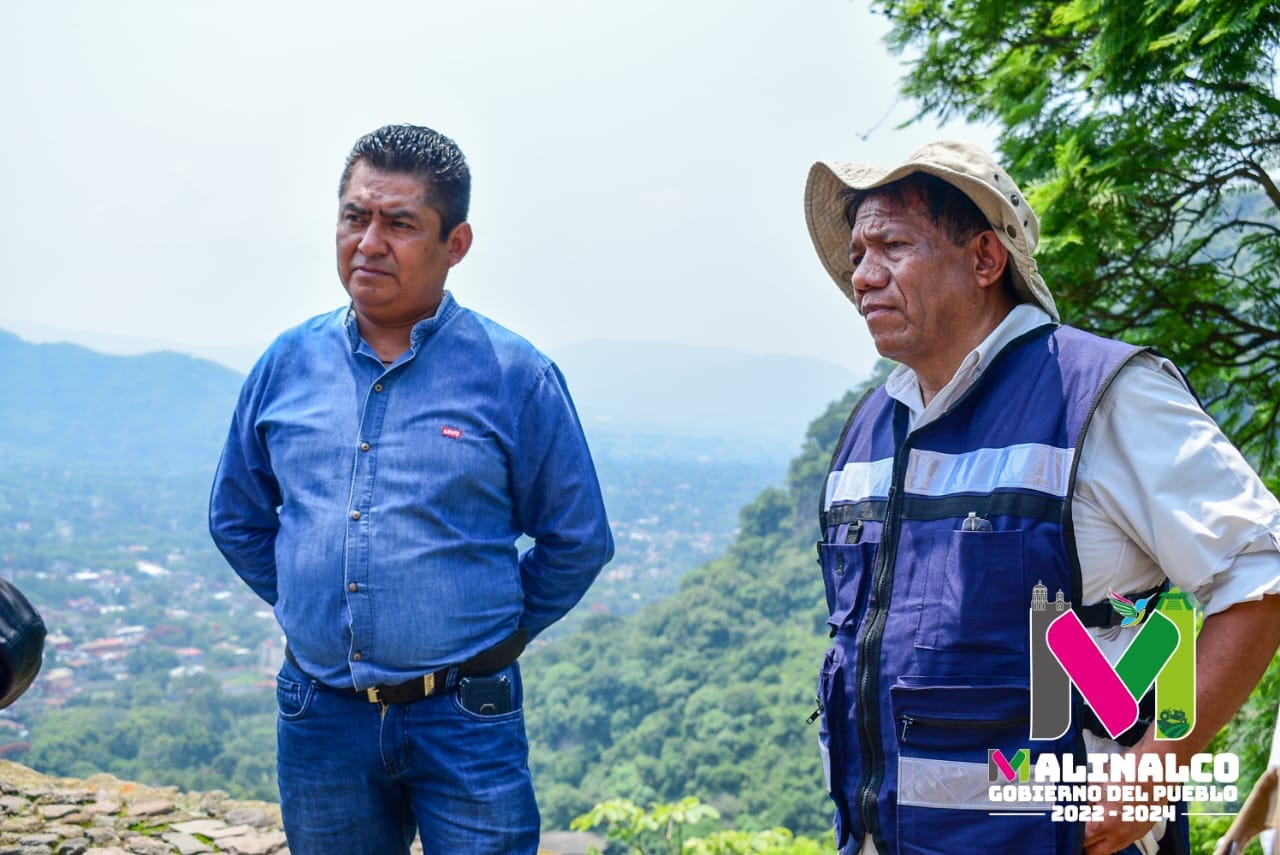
point(62, 403)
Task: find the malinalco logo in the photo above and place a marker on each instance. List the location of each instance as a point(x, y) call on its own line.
point(1016, 768)
point(1063, 653)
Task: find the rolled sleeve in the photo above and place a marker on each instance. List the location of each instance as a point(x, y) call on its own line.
point(1161, 491)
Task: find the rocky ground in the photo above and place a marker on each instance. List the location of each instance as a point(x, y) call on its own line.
point(103, 815)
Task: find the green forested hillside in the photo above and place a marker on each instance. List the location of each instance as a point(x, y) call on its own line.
point(705, 693)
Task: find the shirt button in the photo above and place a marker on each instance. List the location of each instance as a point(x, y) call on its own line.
point(353, 587)
point(364, 446)
point(355, 657)
point(355, 515)
point(377, 387)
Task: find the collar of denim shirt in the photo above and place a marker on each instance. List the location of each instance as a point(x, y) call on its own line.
point(421, 330)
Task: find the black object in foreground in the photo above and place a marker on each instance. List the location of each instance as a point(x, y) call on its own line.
point(22, 633)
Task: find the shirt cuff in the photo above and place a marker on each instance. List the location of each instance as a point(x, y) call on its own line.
point(1251, 575)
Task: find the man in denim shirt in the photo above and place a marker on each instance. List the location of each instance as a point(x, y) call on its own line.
point(381, 463)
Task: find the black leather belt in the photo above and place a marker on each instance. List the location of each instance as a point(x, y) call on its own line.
point(485, 662)
point(408, 691)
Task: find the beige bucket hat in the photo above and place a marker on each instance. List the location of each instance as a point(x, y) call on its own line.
point(965, 166)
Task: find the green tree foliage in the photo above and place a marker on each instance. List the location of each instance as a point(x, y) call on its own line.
point(187, 733)
point(808, 470)
point(668, 828)
point(659, 829)
point(1148, 137)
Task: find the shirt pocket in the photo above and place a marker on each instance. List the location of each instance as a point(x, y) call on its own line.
point(975, 594)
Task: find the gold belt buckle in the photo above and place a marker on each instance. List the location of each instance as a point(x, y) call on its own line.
point(428, 688)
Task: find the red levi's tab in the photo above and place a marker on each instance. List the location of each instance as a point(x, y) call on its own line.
point(451, 432)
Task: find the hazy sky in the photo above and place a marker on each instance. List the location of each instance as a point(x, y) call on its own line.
point(638, 167)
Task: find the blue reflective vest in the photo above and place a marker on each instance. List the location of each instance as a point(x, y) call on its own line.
point(933, 541)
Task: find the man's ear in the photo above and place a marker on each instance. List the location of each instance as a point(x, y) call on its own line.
point(990, 258)
point(458, 241)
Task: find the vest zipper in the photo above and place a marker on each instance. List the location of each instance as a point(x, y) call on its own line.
point(813, 716)
point(868, 676)
point(958, 724)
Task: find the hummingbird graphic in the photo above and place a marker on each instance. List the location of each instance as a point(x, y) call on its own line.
point(1129, 610)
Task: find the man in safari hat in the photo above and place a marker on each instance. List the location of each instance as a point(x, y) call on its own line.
point(1007, 456)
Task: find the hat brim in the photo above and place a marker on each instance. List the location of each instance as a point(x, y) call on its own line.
point(824, 214)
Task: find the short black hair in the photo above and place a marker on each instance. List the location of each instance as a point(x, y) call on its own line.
point(949, 208)
point(425, 154)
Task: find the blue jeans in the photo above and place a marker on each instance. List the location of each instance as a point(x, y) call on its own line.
point(358, 777)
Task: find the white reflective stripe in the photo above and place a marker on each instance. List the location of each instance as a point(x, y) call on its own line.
point(949, 784)
point(1031, 466)
point(858, 481)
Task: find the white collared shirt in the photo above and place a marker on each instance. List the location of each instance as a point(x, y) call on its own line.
point(1160, 490)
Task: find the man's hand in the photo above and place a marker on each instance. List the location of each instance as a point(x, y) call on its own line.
point(1233, 650)
point(1113, 832)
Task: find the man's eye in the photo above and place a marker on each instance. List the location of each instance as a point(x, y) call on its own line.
point(855, 258)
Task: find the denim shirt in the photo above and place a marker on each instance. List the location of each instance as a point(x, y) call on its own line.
point(377, 508)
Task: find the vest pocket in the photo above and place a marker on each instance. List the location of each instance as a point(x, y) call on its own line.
point(974, 595)
point(845, 570)
point(944, 735)
point(834, 724)
point(960, 720)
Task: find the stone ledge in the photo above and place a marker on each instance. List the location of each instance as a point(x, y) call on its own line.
point(102, 815)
